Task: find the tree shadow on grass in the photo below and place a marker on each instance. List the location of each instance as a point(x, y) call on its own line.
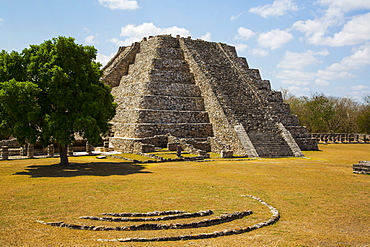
point(83, 169)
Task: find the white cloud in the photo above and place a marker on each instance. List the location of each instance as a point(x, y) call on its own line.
point(359, 59)
point(321, 82)
point(260, 52)
point(244, 33)
point(120, 4)
point(316, 29)
point(295, 60)
point(313, 29)
point(355, 31)
point(359, 87)
point(330, 75)
point(206, 37)
point(151, 29)
point(347, 5)
point(241, 47)
point(136, 33)
point(103, 59)
point(277, 8)
point(234, 17)
point(122, 43)
point(298, 90)
point(296, 77)
point(90, 39)
point(274, 39)
point(358, 95)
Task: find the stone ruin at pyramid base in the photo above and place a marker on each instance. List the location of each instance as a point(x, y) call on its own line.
point(198, 96)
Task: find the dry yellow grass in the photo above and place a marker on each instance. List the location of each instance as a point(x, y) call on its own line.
point(322, 203)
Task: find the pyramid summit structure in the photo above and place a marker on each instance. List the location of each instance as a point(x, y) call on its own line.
point(199, 95)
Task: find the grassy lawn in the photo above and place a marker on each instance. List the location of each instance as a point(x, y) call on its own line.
point(134, 157)
point(322, 203)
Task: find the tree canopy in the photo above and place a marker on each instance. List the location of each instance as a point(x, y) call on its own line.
point(326, 114)
point(52, 91)
point(364, 119)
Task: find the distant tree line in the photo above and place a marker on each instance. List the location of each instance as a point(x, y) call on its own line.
point(326, 114)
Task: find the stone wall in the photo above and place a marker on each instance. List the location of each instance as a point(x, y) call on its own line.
point(341, 137)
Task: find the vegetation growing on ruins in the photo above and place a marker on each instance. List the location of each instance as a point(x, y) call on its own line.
point(326, 114)
point(50, 92)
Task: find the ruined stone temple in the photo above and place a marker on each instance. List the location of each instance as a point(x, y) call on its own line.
point(199, 95)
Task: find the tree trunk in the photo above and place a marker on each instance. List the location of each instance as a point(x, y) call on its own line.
point(63, 156)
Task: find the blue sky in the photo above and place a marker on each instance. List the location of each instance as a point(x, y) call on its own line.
point(306, 46)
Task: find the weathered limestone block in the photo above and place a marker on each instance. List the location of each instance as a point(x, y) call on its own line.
point(136, 130)
point(30, 151)
point(4, 152)
point(50, 151)
point(227, 154)
point(11, 143)
point(23, 151)
point(203, 154)
point(172, 146)
point(178, 151)
point(143, 148)
point(69, 150)
point(363, 167)
point(89, 148)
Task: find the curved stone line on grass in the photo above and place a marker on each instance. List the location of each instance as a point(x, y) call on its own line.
point(203, 223)
point(214, 221)
point(155, 213)
point(273, 219)
point(169, 217)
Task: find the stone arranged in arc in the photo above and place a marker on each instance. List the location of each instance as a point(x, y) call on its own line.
point(148, 214)
point(183, 215)
point(203, 223)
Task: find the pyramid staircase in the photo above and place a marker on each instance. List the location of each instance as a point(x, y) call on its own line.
point(248, 112)
point(158, 96)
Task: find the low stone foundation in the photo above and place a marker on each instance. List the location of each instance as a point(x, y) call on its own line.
point(341, 137)
point(363, 167)
point(147, 145)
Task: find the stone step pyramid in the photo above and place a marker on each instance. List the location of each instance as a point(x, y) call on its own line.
point(200, 92)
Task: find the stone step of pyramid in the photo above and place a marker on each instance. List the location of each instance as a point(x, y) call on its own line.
point(163, 116)
point(171, 76)
point(159, 88)
point(155, 75)
point(158, 102)
point(142, 130)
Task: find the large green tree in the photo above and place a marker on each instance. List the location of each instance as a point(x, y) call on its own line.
point(51, 92)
